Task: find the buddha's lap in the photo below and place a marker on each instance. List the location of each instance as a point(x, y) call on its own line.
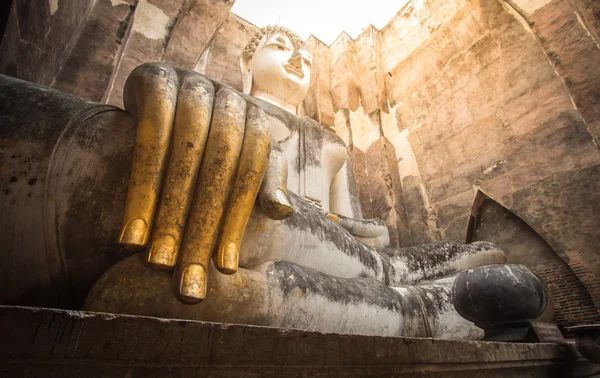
point(276, 293)
point(308, 238)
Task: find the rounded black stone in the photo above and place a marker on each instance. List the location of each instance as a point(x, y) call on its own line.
point(499, 294)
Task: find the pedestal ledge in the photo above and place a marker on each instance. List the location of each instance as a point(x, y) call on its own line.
point(50, 342)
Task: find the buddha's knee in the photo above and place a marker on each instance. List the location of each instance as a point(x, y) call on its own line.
point(426, 262)
point(129, 287)
point(301, 297)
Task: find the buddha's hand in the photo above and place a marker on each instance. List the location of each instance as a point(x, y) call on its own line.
point(205, 154)
point(372, 232)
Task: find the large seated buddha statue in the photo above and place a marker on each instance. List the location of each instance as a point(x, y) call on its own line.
point(237, 210)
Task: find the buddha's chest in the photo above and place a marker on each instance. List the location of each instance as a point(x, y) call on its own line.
point(313, 161)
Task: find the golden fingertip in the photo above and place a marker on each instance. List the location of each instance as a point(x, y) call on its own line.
point(163, 253)
point(133, 235)
point(193, 284)
point(228, 257)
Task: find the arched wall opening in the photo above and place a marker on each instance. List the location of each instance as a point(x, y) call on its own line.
point(490, 221)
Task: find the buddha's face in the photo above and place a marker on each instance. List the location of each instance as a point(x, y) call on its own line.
point(280, 68)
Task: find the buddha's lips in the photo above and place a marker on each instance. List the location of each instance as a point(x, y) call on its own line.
point(293, 70)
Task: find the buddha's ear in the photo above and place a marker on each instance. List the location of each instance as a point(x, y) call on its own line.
point(246, 72)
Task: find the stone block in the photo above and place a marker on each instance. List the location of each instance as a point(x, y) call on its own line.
point(46, 342)
point(359, 166)
point(193, 32)
point(385, 188)
point(151, 26)
point(38, 36)
point(344, 87)
point(453, 216)
point(221, 61)
point(88, 70)
point(319, 103)
point(367, 49)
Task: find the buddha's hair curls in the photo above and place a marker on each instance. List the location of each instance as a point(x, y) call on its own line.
point(255, 40)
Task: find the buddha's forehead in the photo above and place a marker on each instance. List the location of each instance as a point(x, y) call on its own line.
point(281, 37)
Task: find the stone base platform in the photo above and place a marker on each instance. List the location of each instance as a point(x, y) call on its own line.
point(39, 342)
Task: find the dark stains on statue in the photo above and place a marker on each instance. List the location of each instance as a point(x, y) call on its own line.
point(424, 257)
point(292, 277)
point(427, 259)
point(434, 298)
point(88, 254)
point(309, 218)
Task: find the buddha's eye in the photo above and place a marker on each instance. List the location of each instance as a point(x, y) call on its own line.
point(281, 47)
point(307, 62)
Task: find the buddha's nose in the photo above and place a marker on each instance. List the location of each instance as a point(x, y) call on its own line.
point(296, 60)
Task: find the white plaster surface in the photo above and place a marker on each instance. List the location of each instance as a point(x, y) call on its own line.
point(341, 128)
point(530, 6)
point(114, 3)
point(151, 21)
point(266, 240)
point(53, 6)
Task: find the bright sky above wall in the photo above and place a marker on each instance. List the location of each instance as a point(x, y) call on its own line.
point(322, 18)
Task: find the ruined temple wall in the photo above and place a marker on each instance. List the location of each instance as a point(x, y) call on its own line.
point(88, 48)
point(38, 36)
point(221, 60)
point(567, 32)
point(319, 103)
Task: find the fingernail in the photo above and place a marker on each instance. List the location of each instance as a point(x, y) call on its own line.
point(228, 258)
point(283, 205)
point(282, 198)
point(333, 217)
point(163, 253)
point(193, 284)
point(133, 236)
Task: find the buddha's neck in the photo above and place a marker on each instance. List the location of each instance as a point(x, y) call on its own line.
point(274, 100)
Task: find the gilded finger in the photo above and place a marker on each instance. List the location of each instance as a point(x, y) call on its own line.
point(150, 94)
point(217, 172)
point(192, 121)
point(252, 166)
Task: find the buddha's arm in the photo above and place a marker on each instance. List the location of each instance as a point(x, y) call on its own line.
point(345, 210)
point(343, 197)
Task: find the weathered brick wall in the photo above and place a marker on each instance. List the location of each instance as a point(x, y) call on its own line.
point(491, 95)
point(573, 304)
